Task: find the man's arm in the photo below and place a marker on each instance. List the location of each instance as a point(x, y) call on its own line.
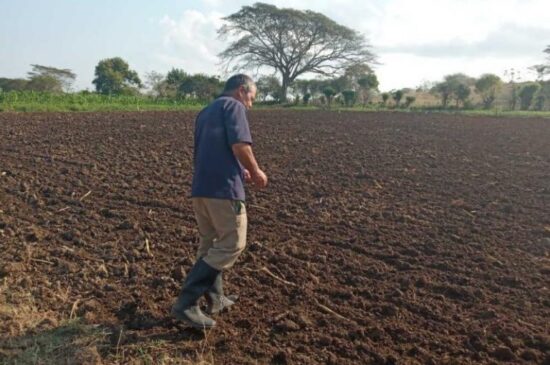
point(243, 153)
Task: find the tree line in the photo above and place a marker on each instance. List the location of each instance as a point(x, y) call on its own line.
point(457, 89)
point(288, 45)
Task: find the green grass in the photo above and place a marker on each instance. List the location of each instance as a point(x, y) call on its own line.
point(47, 102)
point(37, 107)
point(71, 342)
point(29, 101)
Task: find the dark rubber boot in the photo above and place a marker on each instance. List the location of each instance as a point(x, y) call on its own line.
point(198, 281)
point(215, 298)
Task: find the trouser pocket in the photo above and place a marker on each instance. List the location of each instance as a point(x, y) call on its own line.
point(238, 207)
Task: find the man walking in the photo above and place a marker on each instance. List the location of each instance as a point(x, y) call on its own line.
point(223, 161)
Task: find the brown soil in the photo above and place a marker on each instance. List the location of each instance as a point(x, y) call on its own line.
point(408, 238)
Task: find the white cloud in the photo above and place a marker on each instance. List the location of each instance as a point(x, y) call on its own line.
point(407, 22)
point(508, 40)
point(191, 41)
point(406, 70)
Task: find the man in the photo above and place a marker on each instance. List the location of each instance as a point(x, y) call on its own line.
point(223, 161)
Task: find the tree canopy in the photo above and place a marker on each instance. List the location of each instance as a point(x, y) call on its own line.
point(293, 42)
point(455, 86)
point(7, 84)
point(487, 86)
point(527, 93)
point(200, 86)
point(47, 78)
point(397, 95)
point(41, 78)
point(269, 86)
point(113, 76)
point(156, 83)
point(176, 76)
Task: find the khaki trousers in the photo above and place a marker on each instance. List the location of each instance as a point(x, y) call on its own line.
point(222, 229)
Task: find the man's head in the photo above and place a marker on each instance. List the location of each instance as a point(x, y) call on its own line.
point(242, 88)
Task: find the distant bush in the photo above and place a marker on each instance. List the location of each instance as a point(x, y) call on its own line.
point(329, 93)
point(385, 97)
point(409, 100)
point(527, 94)
point(306, 98)
point(350, 96)
point(397, 96)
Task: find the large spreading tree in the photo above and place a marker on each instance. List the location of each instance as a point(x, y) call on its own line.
point(293, 42)
point(47, 78)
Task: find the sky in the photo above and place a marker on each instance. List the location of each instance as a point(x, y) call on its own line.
point(415, 41)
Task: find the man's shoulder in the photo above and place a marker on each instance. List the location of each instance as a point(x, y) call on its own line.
point(229, 102)
point(223, 102)
point(221, 108)
point(214, 106)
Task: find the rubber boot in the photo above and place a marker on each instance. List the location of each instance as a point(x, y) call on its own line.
point(198, 281)
point(215, 298)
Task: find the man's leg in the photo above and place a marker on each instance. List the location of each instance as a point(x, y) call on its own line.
point(216, 300)
point(215, 296)
point(207, 231)
point(198, 281)
point(201, 277)
point(230, 220)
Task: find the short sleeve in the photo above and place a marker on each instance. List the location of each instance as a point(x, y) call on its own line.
point(236, 124)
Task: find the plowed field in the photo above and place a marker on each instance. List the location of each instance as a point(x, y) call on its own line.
point(382, 238)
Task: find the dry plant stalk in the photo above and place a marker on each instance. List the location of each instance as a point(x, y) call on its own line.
point(73, 309)
point(258, 207)
point(147, 247)
point(267, 271)
point(277, 318)
point(328, 310)
point(85, 195)
point(102, 268)
point(44, 261)
point(118, 342)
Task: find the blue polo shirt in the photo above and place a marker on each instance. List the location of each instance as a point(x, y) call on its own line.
point(217, 172)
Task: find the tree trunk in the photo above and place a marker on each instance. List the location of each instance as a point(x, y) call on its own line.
point(284, 88)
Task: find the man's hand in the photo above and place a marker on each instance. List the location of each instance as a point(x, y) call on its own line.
point(247, 177)
point(243, 153)
point(259, 178)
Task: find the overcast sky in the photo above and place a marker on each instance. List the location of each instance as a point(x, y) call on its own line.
point(415, 41)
